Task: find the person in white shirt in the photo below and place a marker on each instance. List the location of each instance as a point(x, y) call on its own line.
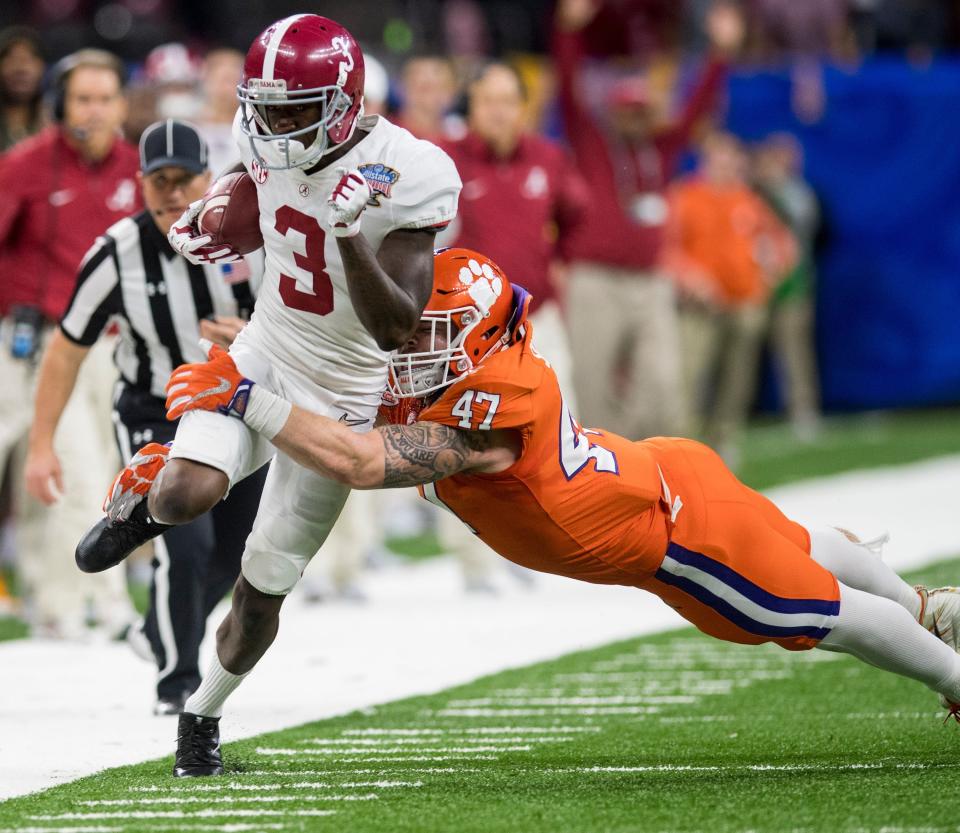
point(349, 207)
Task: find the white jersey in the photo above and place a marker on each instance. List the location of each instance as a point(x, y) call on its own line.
point(303, 320)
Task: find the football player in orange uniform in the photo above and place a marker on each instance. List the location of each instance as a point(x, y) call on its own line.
point(475, 418)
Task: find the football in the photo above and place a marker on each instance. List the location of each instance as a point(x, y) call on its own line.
point(231, 213)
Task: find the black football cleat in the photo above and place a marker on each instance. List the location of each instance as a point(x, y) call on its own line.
point(108, 542)
point(198, 747)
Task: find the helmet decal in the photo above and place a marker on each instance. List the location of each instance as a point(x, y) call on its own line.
point(346, 66)
point(471, 314)
point(484, 285)
point(273, 45)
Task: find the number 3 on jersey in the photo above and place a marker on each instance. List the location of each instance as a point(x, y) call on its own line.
point(320, 300)
point(576, 450)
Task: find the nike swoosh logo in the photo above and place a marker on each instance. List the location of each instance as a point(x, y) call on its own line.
point(223, 387)
point(58, 198)
point(346, 419)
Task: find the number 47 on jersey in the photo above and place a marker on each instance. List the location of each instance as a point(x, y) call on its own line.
point(576, 450)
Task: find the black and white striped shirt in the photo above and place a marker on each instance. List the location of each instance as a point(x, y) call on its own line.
point(133, 276)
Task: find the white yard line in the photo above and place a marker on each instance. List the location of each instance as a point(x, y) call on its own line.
point(226, 799)
point(230, 827)
point(403, 750)
point(589, 711)
point(673, 768)
point(612, 700)
point(179, 828)
point(377, 745)
point(409, 640)
point(58, 829)
point(177, 814)
point(273, 773)
point(221, 786)
point(396, 759)
point(476, 730)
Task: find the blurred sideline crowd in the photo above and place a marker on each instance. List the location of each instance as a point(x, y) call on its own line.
point(665, 256)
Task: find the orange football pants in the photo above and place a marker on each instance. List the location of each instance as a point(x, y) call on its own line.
point(736, 567)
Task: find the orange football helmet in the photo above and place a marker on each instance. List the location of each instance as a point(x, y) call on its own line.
point(473, 312)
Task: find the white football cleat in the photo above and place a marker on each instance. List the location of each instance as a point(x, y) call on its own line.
point(940, 613)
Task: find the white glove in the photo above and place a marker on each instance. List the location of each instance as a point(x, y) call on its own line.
point(347, 203)
point(187, 241)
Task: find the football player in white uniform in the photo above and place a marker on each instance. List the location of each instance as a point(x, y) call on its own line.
point(349, 207)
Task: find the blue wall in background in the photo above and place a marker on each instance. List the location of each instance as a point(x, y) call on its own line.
point(885, 161)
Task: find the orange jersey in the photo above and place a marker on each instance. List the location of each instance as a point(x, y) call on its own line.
point(731, 235)
point(663, 514)
point(584, 504)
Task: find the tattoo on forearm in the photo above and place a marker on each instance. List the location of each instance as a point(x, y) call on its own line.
point(425, 452)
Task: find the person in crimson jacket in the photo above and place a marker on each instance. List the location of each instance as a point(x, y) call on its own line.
point(622, 311)
point(521, 202)
point(61, 188)
point(509, 172)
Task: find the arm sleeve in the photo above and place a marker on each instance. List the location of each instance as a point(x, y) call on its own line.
point(427, 195)
point(581, 131)
point(96, 294)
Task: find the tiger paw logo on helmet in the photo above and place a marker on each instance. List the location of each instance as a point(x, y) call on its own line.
point(485, 285)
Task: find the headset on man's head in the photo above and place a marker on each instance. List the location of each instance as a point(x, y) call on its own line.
point(61, 71)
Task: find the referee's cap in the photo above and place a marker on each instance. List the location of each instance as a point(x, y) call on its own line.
point(172, 143)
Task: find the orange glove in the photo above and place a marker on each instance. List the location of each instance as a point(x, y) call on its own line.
point(213, 385)
point(133, 483)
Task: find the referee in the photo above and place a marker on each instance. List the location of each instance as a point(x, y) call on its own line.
point(161, 303)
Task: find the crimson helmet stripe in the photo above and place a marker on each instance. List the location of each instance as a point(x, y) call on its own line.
point(273, 46)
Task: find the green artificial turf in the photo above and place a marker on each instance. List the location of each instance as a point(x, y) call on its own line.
point(772, 456)
point(675, 732)
point(416, 547)
point(12, 628)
